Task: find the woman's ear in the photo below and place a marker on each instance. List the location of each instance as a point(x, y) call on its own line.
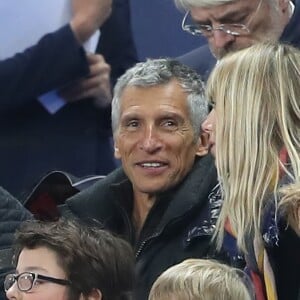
point(95, 294)
point(202, 144)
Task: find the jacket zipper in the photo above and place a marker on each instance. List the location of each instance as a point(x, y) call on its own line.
point(156, 234)
point(142, 245)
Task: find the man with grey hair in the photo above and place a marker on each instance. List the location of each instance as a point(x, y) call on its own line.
point(230, 25)
point(154, 199)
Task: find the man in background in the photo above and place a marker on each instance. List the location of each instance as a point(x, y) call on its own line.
point(77, 138)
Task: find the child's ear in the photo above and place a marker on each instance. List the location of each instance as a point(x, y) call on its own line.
point(202, 144)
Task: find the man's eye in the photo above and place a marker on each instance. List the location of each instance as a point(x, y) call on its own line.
point(132, 123)
point(169, 123)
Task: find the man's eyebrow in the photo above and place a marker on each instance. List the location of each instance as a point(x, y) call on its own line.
point(234, 15)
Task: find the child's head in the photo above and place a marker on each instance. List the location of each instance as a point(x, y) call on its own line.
point(200, 279)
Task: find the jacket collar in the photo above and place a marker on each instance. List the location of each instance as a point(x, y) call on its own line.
point(191, 193)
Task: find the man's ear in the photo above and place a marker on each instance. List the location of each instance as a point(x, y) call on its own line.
point(284, 5)
point(202, 144)
point(116, 150)
point(95, 294)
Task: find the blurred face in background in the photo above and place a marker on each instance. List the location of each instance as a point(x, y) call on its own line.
point(265, 20)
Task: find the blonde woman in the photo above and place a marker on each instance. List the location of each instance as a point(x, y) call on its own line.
point(256, 93)
point(202, 279)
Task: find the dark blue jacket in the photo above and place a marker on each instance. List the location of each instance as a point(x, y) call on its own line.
point(12, 214)
point(77, 139)
point(38, 70)
point(203, 61)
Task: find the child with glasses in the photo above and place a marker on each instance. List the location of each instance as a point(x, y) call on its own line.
point(202, 279)
point(68, 261)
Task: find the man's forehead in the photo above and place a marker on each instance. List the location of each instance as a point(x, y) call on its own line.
point(165, 97)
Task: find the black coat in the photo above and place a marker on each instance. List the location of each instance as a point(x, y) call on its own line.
point(177, 227)
point(12, 214)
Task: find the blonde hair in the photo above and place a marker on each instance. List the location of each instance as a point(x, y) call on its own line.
point(201, 279)
point(257, 95)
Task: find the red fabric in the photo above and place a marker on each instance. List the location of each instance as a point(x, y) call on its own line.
point(283, 156)
point(44, 207)
point(257, 281)
point(258, 286)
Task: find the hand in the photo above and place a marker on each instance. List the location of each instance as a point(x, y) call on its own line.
point(88, 16)
point(96, 85)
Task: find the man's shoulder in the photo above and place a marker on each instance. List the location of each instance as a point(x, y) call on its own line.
point(89, 201)
point(199, 59)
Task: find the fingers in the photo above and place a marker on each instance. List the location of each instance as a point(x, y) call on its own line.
point(98, 65)
point(96, 88)
point(96, 85)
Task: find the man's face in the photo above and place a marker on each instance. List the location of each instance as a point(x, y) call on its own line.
point(155, 139)
point(265, 22)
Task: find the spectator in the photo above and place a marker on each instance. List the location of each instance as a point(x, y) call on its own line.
point(154, 199)
point(66, 260)
point(198, 279)
point(49, 70)
point(256, 138)
point(77, 138)
point(231, 25)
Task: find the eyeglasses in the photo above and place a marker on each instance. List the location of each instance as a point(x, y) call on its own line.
point(207, 30)
point(26, 280)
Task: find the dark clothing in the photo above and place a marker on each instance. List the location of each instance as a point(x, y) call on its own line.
point(285, 260)
point(76, 139)
point(38, 70)
point(203, 61)
point(283, 247)
point(12, 214)
point(116, 41)
point(177, 227)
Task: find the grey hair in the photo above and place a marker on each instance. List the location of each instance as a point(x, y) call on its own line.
point(187, 4)
point(158, 72)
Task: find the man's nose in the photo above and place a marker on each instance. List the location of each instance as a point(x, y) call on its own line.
point(150, 141)
point(221, 39)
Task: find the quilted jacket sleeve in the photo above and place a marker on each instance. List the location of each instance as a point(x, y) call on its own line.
point(12, 214)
